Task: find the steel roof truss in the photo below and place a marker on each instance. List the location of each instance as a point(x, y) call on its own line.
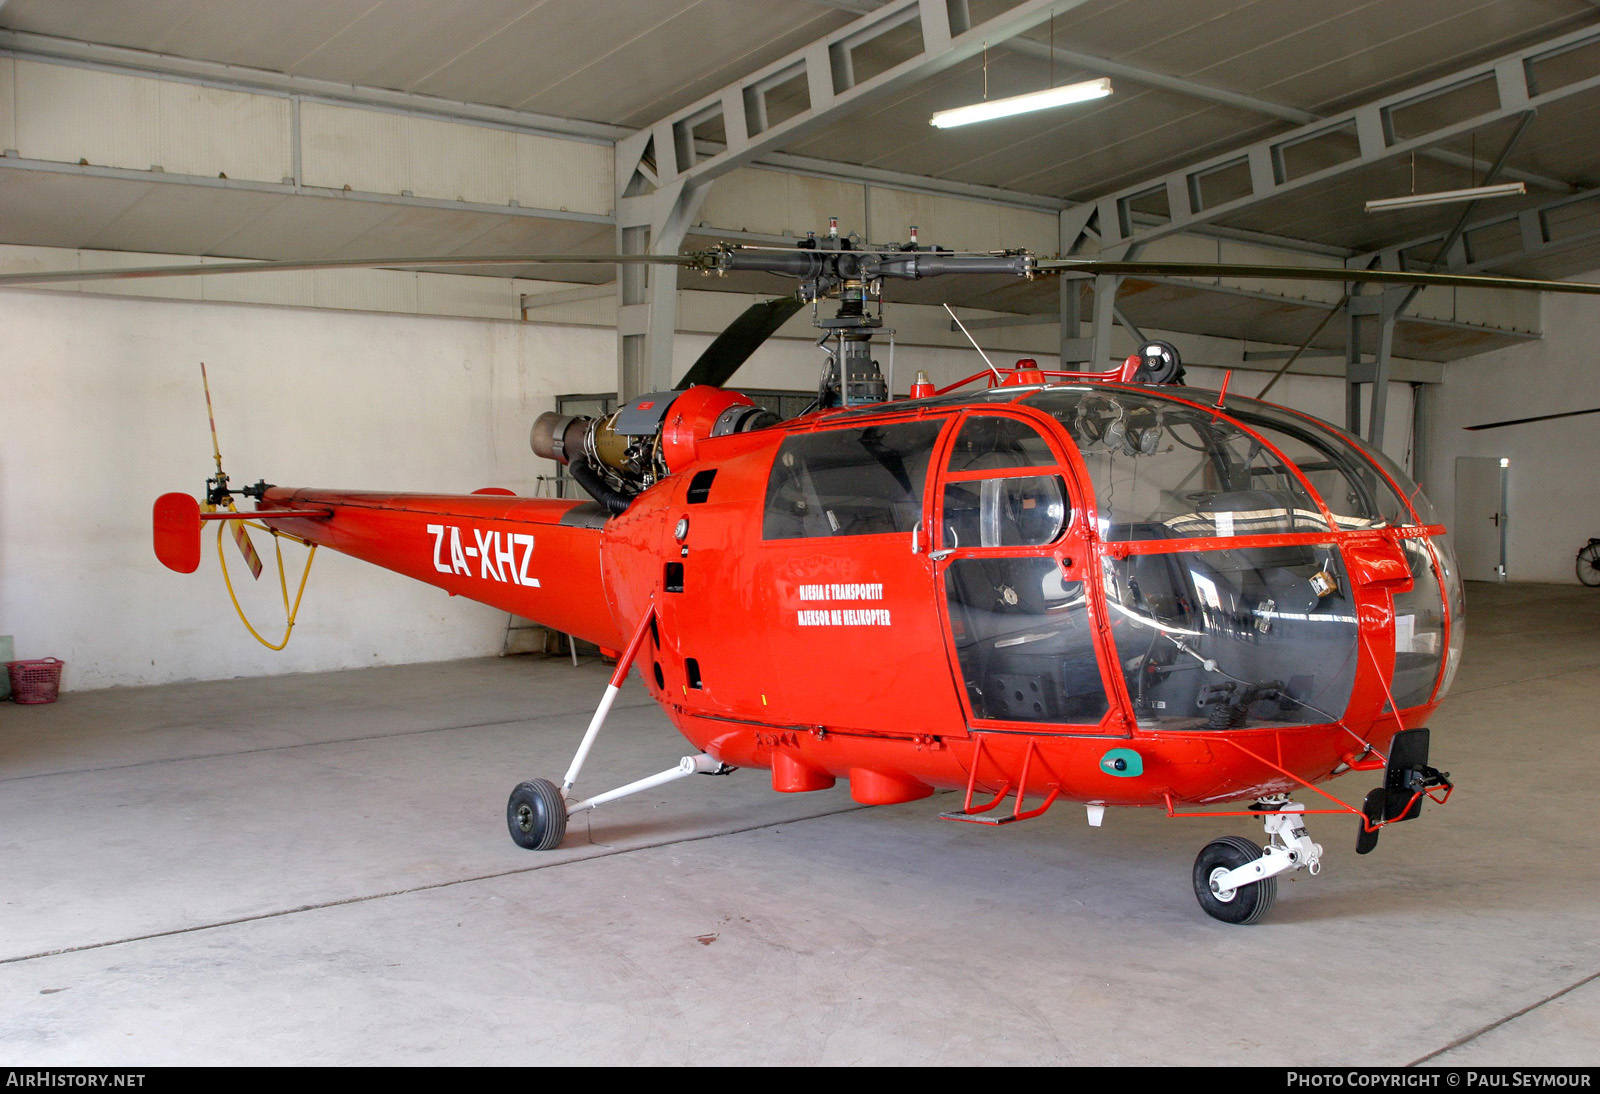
point(1362, 136)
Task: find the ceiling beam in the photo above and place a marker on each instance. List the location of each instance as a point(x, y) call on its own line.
point(1253, 104)
point(1365, 135)
point(292, 189)
point(826, 69)
point(1539, 231)
point(138, 62)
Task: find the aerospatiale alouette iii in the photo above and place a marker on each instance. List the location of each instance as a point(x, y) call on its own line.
point(1098, 587)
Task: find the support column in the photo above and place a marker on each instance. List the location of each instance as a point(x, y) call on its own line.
point(1074, 347)
point(1421, 434)
point(1354, 368)
point(1389, 311)
point(1105, 303)
point(649, 221)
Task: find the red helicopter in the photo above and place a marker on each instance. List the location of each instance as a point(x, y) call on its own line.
point(1105, 588)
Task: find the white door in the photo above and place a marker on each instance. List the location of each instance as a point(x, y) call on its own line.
point(1480, 525)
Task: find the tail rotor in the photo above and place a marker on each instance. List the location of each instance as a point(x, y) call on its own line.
point(219, 496)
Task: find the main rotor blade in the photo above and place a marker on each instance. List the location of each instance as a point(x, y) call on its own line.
point(1535, 418)
point(1308, 273)
point(739, 340)
point(197, 269)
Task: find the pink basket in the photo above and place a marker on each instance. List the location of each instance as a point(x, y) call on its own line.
point(35, 681)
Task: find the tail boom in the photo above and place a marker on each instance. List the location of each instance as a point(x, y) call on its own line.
point(509, 552)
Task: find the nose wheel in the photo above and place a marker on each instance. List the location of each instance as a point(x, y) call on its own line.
point(1236, 881)
point(1242, 903)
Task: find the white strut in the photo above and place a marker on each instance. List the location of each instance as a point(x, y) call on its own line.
point(624, 663)
point(1288, 848)
point(702, 764)
point(689, 765)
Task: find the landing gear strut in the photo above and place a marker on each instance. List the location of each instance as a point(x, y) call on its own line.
point(537, 811)
point(1236, 881)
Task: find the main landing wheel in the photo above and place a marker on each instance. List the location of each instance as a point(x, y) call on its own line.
point(537, 815)
point(1247, 903)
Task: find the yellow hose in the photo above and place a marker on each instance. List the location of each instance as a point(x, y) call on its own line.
point(283, 584)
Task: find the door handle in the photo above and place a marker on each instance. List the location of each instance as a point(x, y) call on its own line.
point(941, 554)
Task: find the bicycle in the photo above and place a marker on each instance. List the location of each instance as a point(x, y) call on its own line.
point(1589, 563)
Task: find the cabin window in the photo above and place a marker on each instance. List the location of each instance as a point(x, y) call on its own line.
point(849, 482)
point(987, 442)
point(1351, 488)
point(1162, 470)
point(1227, 639)
point(1024, 641)
point(1026, 511)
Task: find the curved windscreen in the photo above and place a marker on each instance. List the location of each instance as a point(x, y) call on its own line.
point(1456, 599)
point(1342, 467)
point(1163, 470)
point(1224, 639)
point(1419, 651)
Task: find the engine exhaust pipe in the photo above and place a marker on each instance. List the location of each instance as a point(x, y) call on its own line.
point(557, 437)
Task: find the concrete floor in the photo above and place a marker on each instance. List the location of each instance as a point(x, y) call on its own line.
point(315, 869)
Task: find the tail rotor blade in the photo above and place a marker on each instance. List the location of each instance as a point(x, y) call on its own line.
point(241, 536)
point(742, 337)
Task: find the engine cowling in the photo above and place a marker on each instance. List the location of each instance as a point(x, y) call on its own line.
point(645, 440)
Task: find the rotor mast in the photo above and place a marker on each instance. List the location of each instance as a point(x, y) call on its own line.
point(841, 268)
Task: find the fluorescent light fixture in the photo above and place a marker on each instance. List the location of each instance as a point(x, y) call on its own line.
point(1021, 104)
point(1444, 197)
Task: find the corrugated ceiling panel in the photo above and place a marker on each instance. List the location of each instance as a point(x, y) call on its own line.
point(778, 203)
point(1522, 311)
point(940, 221)
point(205, 131)
point(458, 294)
point(460, 162)
point(67, 114)
point(812, 201)
point(8, 103)
point(571, 175)
point(169, 218)
point(360, 149)
point(1326, 292)
point(1038, 232)
point(19, 259)
point(297, 288)
point(961, 225)
point(366, 290)
point(601, 311)
point(46, 209)
point(172, 288)
point(380, 152)
point(747, 200)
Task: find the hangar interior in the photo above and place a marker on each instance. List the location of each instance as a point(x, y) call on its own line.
point(220, 853)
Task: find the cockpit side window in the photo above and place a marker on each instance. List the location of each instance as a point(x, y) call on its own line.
point(849, 482)
point(984, 506)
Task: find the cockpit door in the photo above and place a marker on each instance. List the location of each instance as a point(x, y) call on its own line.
point(1013, 578)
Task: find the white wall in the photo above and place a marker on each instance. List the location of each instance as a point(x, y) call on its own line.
point(1554, 493)
point(103, 411)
